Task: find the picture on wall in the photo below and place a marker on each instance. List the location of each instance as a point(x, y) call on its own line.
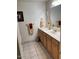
point(20, 17)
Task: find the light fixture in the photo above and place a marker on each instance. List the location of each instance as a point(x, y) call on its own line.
point(56, 3)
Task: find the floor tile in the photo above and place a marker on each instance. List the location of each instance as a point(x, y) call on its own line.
point(34, 50)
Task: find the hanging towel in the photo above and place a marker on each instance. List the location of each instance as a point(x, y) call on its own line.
point(30, 28)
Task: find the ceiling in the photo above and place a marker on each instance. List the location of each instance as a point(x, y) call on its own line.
point(33, 0)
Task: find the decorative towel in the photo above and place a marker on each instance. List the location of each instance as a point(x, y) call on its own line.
point(30, 28)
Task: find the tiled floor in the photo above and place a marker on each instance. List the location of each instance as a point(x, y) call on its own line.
point(34, 50)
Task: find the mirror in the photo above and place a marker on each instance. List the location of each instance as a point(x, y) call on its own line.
point(55, 14)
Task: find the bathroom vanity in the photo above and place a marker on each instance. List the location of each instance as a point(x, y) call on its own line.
point(51, 41)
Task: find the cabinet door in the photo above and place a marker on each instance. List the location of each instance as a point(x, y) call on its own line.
point(42, 37)
point(55, 49)
point(38, 33)
point(49, 44)
point(45, 40)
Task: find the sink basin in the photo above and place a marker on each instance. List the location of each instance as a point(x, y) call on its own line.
point(57, 33)
point(52, 31)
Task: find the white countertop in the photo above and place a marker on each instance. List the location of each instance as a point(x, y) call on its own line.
point(53, 34)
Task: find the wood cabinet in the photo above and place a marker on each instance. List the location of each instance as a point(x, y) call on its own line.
point(51, 44)
point(45, 40)
point(55, 49)
point(41, 36)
